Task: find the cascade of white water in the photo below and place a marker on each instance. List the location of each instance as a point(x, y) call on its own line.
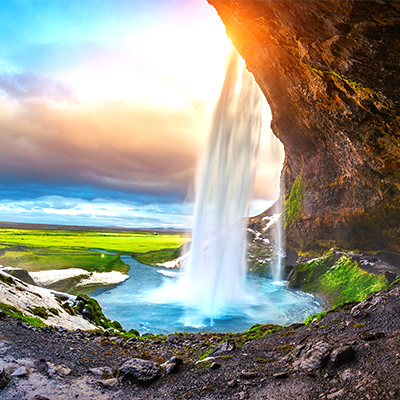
point(278, 273)
point(214, 272)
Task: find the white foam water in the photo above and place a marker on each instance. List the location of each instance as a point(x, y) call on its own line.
point(215, 271)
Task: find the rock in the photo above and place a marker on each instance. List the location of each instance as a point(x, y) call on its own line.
point(232, 383)
point(2, 314)
point(109, 383)
point(39, 397)
point(368, 336)
point(171, 368)
point(281, 375)
point(314, 356)
point(175, 360)
point(57, 371)
point(248, 374)
point(172, 365)
point(337, 394)
point(316, 57)
point(342, 355)
point(103, 372)
point(4, 379)
point(87, 313)
point(351, 374)
point(215, 365)
point(390, 276)
point(21, 372)
point(140, 371)
point(21, 274)
point(224, 348)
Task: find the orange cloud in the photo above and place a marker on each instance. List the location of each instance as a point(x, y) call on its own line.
point(114, 146)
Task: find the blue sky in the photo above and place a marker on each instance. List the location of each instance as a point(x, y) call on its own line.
point(105, 106)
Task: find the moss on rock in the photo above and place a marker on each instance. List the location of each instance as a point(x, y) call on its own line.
point(337, 278)
point(91, 310)
point(14, 312)
point(292, 209)
point(40, 312)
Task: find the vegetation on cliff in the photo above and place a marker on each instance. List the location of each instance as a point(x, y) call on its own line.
point(337, 278)
point(292, 209)
point(337, 117)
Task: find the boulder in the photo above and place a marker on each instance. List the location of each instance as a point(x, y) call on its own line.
point(172, 365)
point(314, 356)
point(342, 355)
point(140, 371)
point(224, 348)
point(21, 274)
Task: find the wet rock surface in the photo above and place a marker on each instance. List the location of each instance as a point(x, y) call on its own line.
point(343, 355)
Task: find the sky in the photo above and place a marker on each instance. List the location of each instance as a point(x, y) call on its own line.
point(104, 110)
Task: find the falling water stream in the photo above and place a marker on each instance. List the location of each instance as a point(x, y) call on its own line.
point(215, 270)
point(213, 291)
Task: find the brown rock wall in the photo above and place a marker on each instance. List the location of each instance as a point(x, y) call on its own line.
point(330, 71)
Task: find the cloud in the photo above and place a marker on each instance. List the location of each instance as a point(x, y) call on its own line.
point(97, 212)
point(117, 146)
point(28, 85)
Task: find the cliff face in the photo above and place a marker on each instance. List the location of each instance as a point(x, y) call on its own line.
point(330, 71)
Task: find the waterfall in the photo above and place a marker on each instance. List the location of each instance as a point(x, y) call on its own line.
point(214, 273)
point(277, 270)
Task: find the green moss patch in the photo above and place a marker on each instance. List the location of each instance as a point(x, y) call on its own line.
point(91, 310)
point(6, 279)
point(292, 209)
point(40, 312)
point(14, 312)
point(346, 281)
point(338, 280)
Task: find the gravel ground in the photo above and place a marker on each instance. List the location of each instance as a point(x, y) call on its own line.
point(350, 353)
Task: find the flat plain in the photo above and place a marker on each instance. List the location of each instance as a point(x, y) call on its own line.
point(90, 249)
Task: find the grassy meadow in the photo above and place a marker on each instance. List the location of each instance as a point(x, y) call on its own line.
point(36, 250)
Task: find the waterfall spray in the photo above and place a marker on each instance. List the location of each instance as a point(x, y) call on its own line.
point(214, 272)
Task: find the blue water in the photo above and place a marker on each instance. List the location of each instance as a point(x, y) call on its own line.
point(138, 303)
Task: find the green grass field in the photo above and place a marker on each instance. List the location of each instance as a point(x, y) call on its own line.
point(118, 241)
point(35, 250)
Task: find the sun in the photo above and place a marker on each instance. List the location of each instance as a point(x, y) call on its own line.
point(170, 66)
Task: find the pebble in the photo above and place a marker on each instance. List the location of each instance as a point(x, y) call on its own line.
point(103, 372)
point(281, 375)
point(248, 374)
point(336, 395)
point(215, 365)
point(21, 372)
point(232, 383)
point(109, 383)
